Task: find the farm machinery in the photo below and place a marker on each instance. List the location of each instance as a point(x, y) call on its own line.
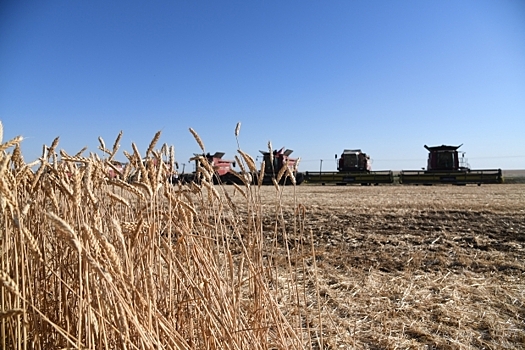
point(223, 169)
point(444, 166)
point(273, 163)
point(353, 167)
point(224, 173)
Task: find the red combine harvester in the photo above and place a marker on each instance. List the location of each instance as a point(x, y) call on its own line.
point(271, 168)
point(225, 174)
point(353, 167)
point(221, 166)
point(444, 166)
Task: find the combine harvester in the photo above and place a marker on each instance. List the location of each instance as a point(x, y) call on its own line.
point(353, 168)
point(223, 169)
point(224, 172)
point(273, 163)
point(445, 167)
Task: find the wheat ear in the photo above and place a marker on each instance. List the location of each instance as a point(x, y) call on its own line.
point(197, 138)
point(153, 142)
point(51, 149)
point(64, 228)
point(11, 143)
point(249, 160)
point(281, 172)
point(116, 145)
point(8, 282)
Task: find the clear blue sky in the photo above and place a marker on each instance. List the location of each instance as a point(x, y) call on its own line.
point(314, 76)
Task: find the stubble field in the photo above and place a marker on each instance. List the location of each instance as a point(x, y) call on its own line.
point(437, 267)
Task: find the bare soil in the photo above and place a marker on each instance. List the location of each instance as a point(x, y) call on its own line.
point(419, 267)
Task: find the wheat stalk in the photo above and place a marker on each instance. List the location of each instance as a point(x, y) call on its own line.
point(7, 192)
point(33, 244)
point(198, 139)
point(63, 227)
point(284, 169)
point(16, 158)
point(128, 187)
point(110, 251)
point(11, 143)
point(118, 198)
point(8, 283)
point(153, 143)
point(116, 145)
point(291, 175)
point(237, 129)
point(261, 174)
point(249, 161)
point(4, 163)
point(102, 146)
point(79, 153)
point(239, 188)
point(51, 150)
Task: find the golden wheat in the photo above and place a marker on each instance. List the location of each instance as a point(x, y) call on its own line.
point(8, 282)
point(249, 161)
point(103, 263)
point(284, 170)
point(33, 244)
point(51, 149)
point(153, 143)
point(198, 139)
point(13, 142)
point(63, 227)
point(116, 146)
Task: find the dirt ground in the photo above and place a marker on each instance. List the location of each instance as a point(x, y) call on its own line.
point(416, 267)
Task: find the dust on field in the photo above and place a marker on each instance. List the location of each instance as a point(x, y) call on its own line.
point(409, 266)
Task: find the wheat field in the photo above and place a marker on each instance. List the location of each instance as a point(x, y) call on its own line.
point(91, 260)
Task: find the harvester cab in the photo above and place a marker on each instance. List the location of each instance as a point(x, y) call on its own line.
point(443, 158)
point(354, 160)
point(221, 166)
point(274, 161)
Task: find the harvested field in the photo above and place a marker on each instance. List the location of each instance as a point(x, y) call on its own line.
point(413, 267)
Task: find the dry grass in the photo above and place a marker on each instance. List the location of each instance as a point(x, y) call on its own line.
point(90, 262)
